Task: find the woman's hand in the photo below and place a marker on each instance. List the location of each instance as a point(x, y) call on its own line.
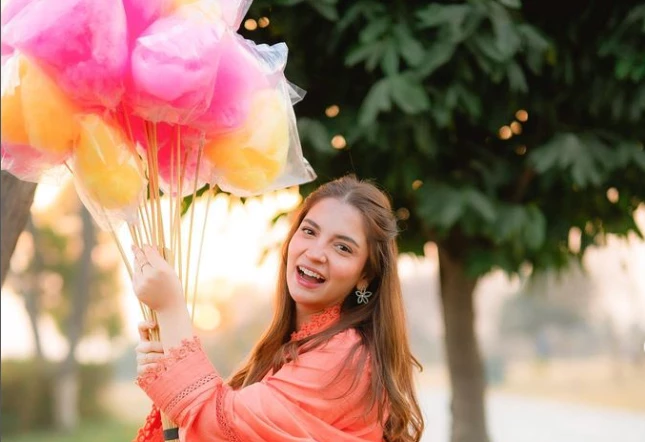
point(158, 286)
point(155, 282)
point(149, 353)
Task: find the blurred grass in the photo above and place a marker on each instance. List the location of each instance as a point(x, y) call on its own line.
point(100, 431)
point(601, 382)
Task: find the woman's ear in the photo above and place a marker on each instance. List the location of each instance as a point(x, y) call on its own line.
point(363, 283)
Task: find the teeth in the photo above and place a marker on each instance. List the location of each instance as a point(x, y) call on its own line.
point(310, 273)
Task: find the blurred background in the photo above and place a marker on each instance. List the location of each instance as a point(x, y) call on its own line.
point(510, 137)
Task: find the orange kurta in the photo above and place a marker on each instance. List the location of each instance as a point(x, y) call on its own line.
point(311, 399)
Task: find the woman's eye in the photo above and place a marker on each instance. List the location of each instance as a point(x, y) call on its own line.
point(344, 248)
point(307, 231)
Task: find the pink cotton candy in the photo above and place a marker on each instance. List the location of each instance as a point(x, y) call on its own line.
point(142, 13)
point(239, 76)
point(13, 7)
point(82, 44)
point(174, 66)
point(27, 163)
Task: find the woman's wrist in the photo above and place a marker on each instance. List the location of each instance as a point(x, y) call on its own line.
point(175, 325)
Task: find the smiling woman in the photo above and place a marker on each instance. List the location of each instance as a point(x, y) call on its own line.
point(326, 257)
point(335, 363)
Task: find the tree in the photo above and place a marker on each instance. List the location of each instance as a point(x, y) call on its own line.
point(69, 277)
point(16, 197)
point(496, 127)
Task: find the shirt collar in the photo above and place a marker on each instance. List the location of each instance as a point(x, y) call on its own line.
point(317, 323)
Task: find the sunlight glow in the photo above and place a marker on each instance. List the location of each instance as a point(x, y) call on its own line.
point(207, 317)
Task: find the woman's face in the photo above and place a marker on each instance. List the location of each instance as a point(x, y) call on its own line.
point(326, 256)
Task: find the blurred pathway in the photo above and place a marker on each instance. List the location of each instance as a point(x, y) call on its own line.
point(524, 419)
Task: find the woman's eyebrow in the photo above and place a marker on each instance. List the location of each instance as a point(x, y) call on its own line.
point(343, 237)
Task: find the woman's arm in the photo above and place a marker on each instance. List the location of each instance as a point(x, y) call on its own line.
point(313, 398)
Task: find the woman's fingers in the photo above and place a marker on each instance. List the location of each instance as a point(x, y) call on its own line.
point(149, 353)
point(149, 347)
point(145, 328)
point(141, 369)
point(149, 358)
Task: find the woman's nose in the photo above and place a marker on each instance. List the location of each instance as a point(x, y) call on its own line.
point(316, 253)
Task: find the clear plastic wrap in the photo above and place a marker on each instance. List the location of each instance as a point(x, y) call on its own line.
point(82, 44)
point(107, 172)
point(29, 164)
point(233, 11)
point(174, 67)
point(240, 74)
point(35, 112)
point(265, 153)
point(113, 90)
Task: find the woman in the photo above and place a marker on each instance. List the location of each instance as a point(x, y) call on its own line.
point(335, 363)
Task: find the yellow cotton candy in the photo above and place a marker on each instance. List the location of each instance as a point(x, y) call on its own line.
point(106, 166)
point(37, 113)
point(253, 156)
point(13, 126)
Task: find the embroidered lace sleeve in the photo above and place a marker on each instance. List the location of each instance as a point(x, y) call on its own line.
point(185, 376)
point(176, 354)
point(313, 398)
point(152, 430)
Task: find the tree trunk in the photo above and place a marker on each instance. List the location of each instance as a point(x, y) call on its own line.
point(16, 197)
point(32, 291)
point(68, 381)
point(464, 361)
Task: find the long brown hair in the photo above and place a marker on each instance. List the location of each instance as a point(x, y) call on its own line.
point(380, 323)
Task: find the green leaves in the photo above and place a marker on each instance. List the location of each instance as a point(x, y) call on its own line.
point(376, 101)
point(507, 39)
point(326, 8)
point(408, 94)
point(385, 43)
point(525, 225)
point(515, 4)
point(438, 55)
point(436, 14)
point(586, 157)
point(315, 134)
point(404, 90)
point(442, 206)
point(424, 89)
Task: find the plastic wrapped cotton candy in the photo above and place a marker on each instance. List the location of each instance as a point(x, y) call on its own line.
point(35, 112)
point(248, 159)
point(29, 164)
point(207, 10)
point(106, 167)
point(82, 44)
point(239, 76)
point(8, 12)
point(233, 11)
point(174, 66)
point(140, 14)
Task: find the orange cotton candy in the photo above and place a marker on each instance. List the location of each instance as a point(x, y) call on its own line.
point(35, 112)
point(106, 166)
point(251, 158)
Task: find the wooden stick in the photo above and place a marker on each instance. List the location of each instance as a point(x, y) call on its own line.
point(211, 190)
point(192, 214)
